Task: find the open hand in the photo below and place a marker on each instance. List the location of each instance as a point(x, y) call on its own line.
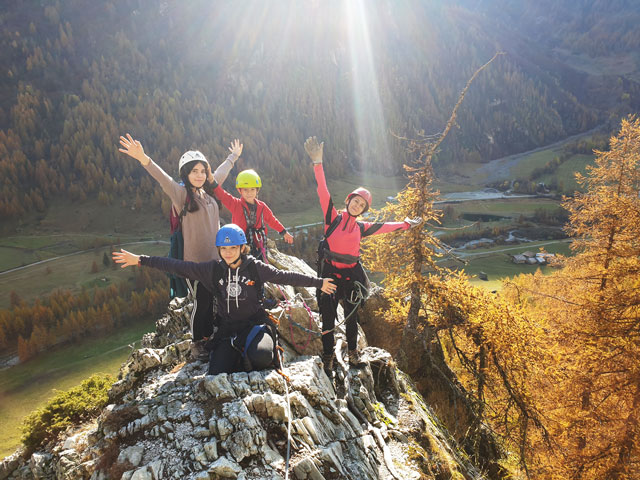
point(328, 286)
point(314, 149)
point(288, 238)
point(236, 147)
point(413, 222)
point(134, 149)
point(127, 259)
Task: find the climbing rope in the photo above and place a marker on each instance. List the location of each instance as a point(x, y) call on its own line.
point(357, 296)
point(287, 308)
point(286, 467)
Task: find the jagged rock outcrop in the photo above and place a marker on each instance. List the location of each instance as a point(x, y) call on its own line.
point(168, 419)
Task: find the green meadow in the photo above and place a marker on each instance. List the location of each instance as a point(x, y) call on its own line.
point(73, 272)
point(496, 262)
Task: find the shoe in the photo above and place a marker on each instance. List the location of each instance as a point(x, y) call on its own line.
point(327, 364)
point(198, 351)
point(354, 358)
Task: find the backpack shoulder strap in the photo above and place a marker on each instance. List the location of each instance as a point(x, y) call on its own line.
point(332, 227)
point(253, 273)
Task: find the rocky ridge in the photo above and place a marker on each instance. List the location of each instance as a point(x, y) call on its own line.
point(167, 419)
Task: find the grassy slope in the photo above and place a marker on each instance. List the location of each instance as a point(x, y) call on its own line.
point(70, 272)
point(507, 207)
point(498, 265)
point(28, 386)
point(566, 172)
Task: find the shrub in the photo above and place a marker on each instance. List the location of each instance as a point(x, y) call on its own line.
point(64, 409)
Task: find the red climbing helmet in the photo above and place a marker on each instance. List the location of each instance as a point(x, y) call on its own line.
point(364, 193)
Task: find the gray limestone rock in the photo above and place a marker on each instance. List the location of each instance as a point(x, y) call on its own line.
point(171, 420)
point(224, 468)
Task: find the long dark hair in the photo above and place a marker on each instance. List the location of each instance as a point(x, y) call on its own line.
point(190, 202)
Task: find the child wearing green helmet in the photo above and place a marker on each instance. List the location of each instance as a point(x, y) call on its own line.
point(251, 214)
point(237, 280)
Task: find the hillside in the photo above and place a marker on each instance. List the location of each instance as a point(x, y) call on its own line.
point(197, 75)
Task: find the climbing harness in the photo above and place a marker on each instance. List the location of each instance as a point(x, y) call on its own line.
point(256, 236)
point(357, 296)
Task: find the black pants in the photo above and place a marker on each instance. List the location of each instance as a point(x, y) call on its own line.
point(227, 352)
point(203, 311)
point(327, 304)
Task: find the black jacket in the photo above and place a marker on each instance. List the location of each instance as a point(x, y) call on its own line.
point(239, 301)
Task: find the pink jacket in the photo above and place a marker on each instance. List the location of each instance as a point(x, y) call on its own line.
point(345, 239)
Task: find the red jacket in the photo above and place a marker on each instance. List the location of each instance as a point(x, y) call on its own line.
point(238, 207)
point(345, 239)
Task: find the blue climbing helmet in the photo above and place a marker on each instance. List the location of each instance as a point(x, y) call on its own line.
point(229, 235)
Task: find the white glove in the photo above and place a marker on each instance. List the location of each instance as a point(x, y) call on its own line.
point(314, 149)
point(413, 222)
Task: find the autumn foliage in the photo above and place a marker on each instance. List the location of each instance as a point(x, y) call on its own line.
point(550, 363)
point(64, 316)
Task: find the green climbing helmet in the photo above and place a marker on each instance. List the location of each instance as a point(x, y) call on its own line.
point(248, 179)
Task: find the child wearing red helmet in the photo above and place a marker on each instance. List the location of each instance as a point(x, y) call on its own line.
point(339, 257)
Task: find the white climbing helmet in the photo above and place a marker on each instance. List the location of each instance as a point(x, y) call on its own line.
point(191, 156)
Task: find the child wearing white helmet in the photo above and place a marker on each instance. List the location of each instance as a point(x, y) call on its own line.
point(199, 217)
point(246, 337)
point(339, 257)
point(251, 214)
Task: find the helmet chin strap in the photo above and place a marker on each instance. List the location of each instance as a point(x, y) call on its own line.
point(237, 261)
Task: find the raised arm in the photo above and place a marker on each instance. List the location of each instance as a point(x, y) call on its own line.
point(225, 197)
point(269, 273)
point(173, 189)
point(314, 150)
point(377, 228)
point(222, 172)
point(134, 149)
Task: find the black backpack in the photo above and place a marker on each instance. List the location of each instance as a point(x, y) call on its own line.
point(177, 285)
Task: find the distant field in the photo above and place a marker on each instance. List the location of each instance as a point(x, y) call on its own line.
point(566, 172)
point(20, 250)
point(26, 387)
point(507, 207)
point(496, 262)
point(71, 272)
point(625, 64)
point(528, 164)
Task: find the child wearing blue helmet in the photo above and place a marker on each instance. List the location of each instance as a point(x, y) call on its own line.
point(236, 280)
point(199, 219)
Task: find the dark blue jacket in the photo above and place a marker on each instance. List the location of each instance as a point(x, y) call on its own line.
point(237, 292)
